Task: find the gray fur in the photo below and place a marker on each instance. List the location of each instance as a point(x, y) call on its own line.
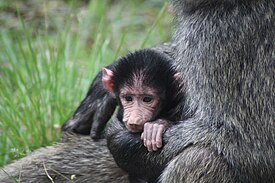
point(76, 155)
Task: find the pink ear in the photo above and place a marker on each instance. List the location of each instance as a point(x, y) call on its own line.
point(178, 79)
point(107, 79)
point(177, 76)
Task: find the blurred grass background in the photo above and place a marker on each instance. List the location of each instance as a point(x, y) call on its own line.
point(51, 50)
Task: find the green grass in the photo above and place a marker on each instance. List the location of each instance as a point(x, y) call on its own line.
point(47, 63)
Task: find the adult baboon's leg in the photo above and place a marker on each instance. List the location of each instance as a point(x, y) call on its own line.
point(76, 158)
point(200, 165)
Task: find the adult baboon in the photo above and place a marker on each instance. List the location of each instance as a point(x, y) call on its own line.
point(225, 52)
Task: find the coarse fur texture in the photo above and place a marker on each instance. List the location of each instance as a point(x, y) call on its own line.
point(76, 158)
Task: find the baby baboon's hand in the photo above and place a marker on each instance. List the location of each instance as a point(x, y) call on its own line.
point(152, 134)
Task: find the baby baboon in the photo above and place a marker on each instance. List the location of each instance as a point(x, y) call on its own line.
point(148, 92)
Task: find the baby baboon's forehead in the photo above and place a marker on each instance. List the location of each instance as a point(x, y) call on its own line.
point(138, 90)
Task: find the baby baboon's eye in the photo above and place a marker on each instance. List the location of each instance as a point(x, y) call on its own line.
point(147, 99)
point(128, 98)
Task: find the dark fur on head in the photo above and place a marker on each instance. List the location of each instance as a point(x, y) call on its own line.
point(156, 71)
